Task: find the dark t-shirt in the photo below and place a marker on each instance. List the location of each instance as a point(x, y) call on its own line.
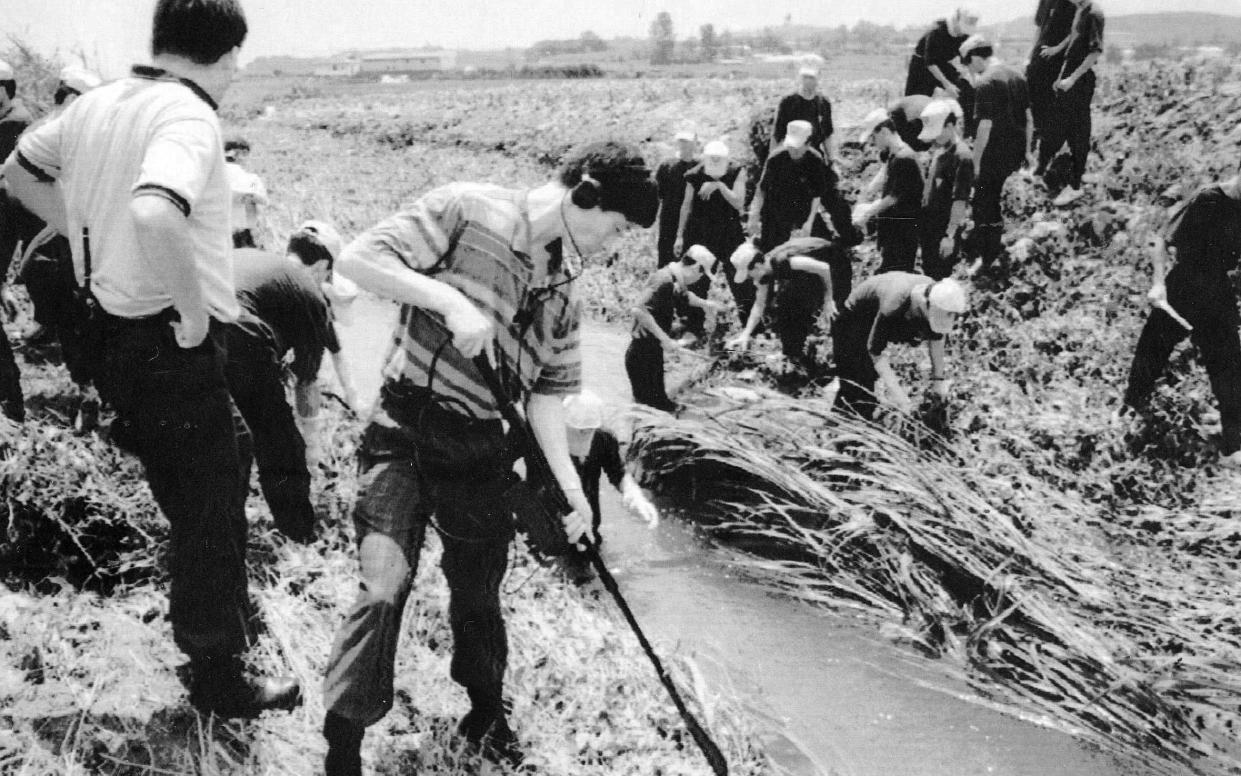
point(817, 110)
point(950, 180)
point(715, 209)
point(1087, 37)
point(1003, 98)
point(904, 182)
point(781, 270)
point(604, 457)
point(12, 125)
point(280, 299)
point(670, 181)
point(1055, 22)
point(660, 301)
point(789, 186)
point(883, 303)
point(938, 47)
point(1206, 232)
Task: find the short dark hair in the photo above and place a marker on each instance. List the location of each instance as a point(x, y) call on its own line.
point(62, 94)
point(306, 246)
point(202, 31)
point(10, 87)
point(887, 124)
point(237, 144)
point(625, 183)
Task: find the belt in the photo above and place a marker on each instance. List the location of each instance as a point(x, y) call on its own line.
point(161, 318)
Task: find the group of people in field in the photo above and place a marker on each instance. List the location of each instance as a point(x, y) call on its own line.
point(125, 201)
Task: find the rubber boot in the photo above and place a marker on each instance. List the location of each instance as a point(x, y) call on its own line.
point(219, 686)
point(486, 726)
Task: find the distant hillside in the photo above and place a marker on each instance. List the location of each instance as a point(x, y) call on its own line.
point(1172, 28)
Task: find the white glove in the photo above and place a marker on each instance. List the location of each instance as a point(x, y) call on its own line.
point(636, 502)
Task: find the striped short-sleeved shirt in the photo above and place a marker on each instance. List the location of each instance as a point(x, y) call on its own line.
point(475, 238)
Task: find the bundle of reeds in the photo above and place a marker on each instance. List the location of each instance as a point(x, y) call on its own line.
point(1015, 579)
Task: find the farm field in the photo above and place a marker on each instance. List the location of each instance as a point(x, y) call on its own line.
point(1073, 565)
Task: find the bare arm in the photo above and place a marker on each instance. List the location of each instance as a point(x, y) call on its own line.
point(813, 266)
point(981, 139)
point(756, 208)
point(687, 203)
point(757, 310)
point(935, 348)
point(345, 376)
point(307, 397)
point(546, 416)
point(384, 274)
point(944, 81)
point(736, 195)
point(39, 197)
point(647, 321)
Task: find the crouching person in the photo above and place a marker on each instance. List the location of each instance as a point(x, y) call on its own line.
point(596, 452)
point(282, 310)
point(893, 307)
point(476, 268)
point(802, 268)
point(644, 360)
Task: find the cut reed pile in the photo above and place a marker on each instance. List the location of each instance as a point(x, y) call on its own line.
point(1043, 602)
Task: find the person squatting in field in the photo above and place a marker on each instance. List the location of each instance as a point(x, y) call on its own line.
point(478, 270)
point(652, 324)
point(1004, 134)
point(711, 217)
point(898, 210)
point(283, 309)
point(133, 174)
point(1204, 238)
point(1073, 90)
point(796, 279)
point(895, 307)
point(596, 452)
point(949, 183)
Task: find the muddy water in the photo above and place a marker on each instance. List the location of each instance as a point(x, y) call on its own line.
point(831, 697)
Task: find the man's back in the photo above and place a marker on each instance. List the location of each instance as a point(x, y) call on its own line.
point(285, 297)
point(152, 135)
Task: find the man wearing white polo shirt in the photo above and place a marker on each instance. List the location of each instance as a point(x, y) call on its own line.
point(144, 201)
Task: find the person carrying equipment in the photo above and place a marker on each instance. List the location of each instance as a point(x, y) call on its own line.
point(797, 276)
point(893, 307)
point(652, 321)
point(945, 200)
point(1204, 236)
point(476, 268)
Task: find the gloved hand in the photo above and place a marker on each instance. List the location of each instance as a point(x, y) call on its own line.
point(311, 429)
point(636, 502)
point(577, 523)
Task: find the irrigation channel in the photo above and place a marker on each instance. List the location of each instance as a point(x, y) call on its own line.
point(833, 697)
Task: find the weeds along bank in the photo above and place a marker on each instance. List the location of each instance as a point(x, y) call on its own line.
point(88, 680)
point(1077, 566)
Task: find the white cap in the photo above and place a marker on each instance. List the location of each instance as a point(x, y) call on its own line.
point(686, 134)
point(326, 234)
point(741, 259)
point(946, 300)
point(702, 256)
point(797, 133)
point(967, 19)
point(716, 148)
point(79, 79)
point(872, 120)
point(973, 43)
point(808, 70)
point(583, 410)
point(935, 114)
point(6, 72)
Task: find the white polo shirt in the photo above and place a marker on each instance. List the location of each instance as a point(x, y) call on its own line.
point(150, 134)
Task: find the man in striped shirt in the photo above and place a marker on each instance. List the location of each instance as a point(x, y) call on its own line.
point(477, 269)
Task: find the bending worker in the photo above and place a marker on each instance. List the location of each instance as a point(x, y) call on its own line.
point(892, 307)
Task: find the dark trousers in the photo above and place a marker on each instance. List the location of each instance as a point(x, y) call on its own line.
point(243, 238)
point(986, 239)
point(173, 410)
point(854, 365)
point(898, 244)
point(1070, 123)
point(933, 264)
point(1209, 307)
point(256, 382)
point(721, 240)
point(58, 305)
point(1040, 75)
point(432, 464)
point(798, 303)
point(644, 363)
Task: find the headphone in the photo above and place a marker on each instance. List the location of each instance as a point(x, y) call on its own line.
point(587, 193)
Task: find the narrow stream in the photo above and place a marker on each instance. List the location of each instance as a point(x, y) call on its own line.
point(833, 698)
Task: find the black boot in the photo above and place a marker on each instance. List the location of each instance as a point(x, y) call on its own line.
point(486, 727)
point(344, 746)
point(219, 686)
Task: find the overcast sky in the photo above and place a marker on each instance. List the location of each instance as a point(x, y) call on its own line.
point(114, 33)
